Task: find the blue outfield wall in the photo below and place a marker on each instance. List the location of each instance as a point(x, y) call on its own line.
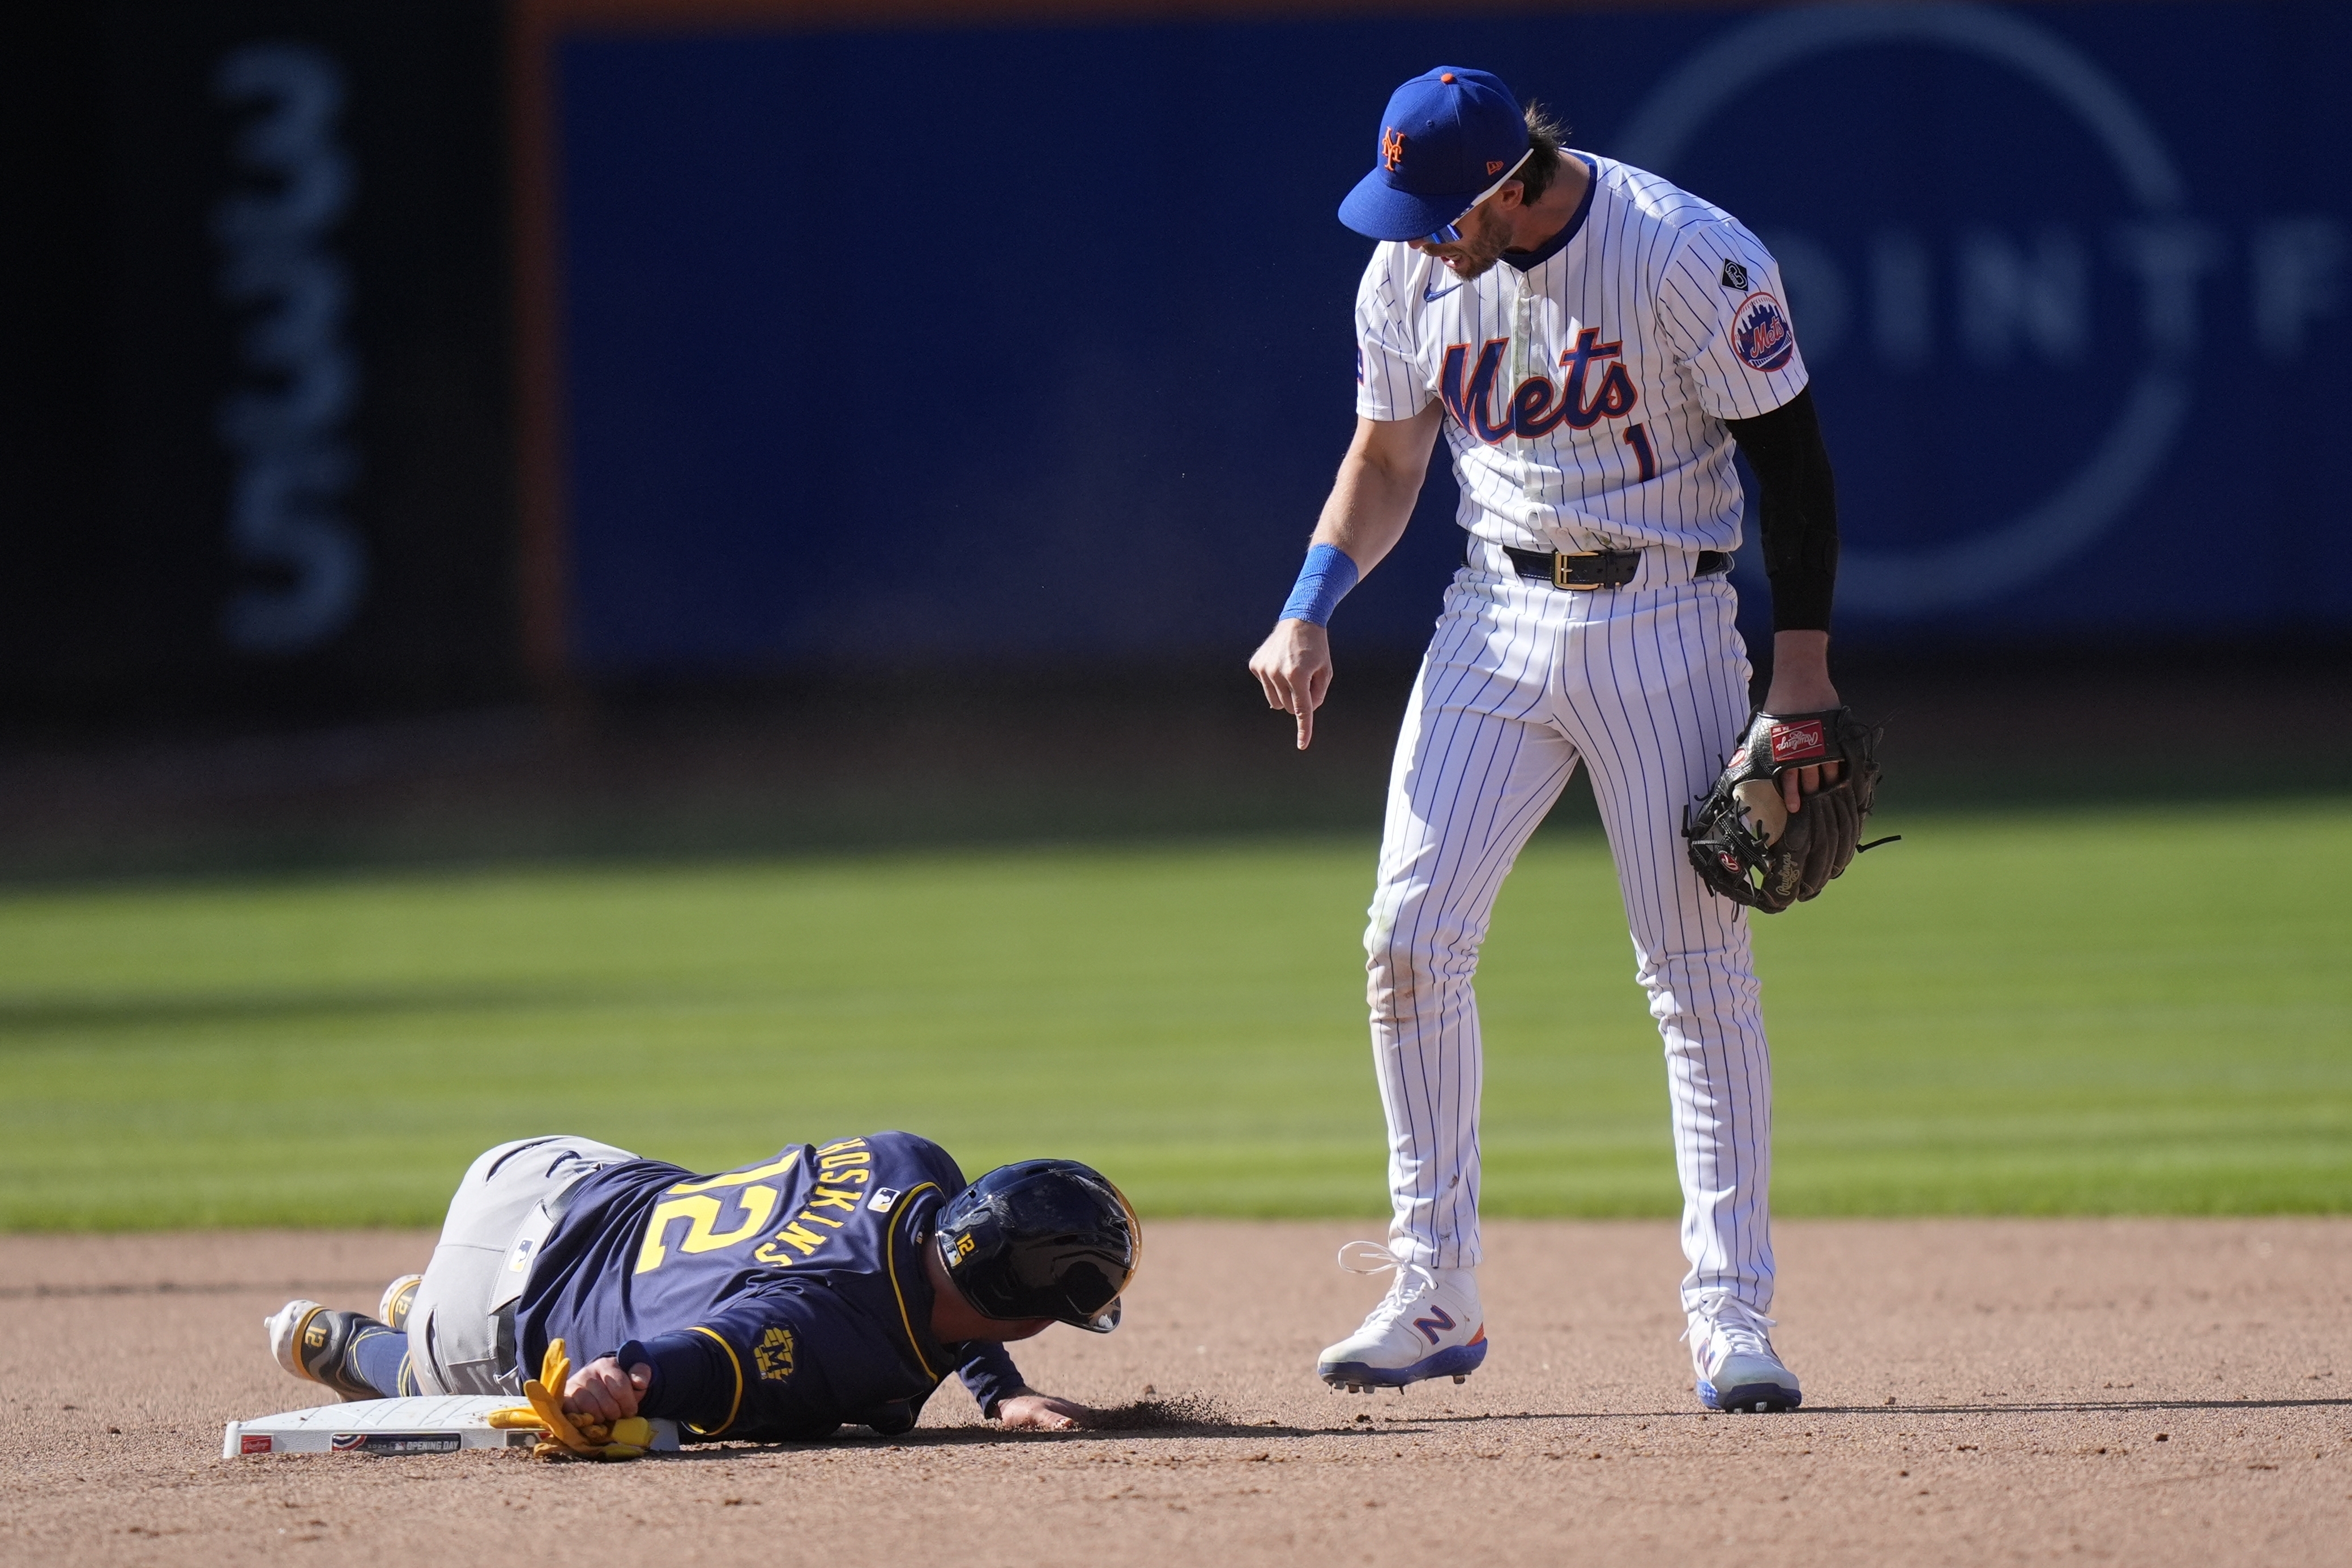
point(1010, 343)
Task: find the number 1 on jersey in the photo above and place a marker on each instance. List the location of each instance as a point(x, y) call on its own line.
point(1639, 440)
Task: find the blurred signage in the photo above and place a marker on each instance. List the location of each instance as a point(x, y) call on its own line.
point(865, 359)
point(283, 277)
point(2035, 335)
point(287, 427)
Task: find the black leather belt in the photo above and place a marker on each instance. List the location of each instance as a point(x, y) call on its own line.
point(1598, 567)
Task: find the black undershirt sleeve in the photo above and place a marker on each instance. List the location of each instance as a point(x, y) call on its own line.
point(1798, 508)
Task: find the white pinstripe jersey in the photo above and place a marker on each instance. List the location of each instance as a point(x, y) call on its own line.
point(1586, 397)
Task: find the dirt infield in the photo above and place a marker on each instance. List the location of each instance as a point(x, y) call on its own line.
point(2138, 1391)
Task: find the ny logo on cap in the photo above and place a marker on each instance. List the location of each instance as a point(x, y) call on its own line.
point(1391, 147)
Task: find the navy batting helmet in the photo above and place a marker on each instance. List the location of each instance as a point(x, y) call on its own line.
point(1043, 1238)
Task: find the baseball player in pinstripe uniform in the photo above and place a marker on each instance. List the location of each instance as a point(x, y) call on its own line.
point(1593, 343)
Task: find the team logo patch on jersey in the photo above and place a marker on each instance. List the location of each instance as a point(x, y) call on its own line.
point(884, 1196)
point(1734, 276)
point(774, 1355)
point(1793, 741)
point(1762, 334)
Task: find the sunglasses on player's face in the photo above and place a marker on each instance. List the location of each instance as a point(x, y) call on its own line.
point(1452, 231)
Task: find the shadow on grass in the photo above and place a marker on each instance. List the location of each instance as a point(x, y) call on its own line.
point(166, 1010)
point(830, 762)
point(170, 1287)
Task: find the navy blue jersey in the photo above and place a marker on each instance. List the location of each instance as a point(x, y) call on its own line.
point(778, 1301)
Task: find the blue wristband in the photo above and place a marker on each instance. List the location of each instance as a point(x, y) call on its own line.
point(1323, 582)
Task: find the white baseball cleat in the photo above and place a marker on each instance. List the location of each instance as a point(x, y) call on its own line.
point(1428, 1325)
point(1733, 1357)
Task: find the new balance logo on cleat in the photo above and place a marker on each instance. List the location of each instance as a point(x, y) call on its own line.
point(1735, 1366)
point(1428, 1325)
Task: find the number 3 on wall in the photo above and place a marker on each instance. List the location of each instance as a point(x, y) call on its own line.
point(701, 1211)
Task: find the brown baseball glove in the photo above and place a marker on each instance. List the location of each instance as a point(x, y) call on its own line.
point(1744, 842)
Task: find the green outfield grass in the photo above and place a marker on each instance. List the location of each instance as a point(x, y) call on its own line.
point(2095, 1011)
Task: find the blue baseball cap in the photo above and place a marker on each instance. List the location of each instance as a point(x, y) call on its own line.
point(1449, 137)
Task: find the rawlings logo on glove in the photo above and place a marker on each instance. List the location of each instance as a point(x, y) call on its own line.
point(1795, 742)
point(1747, 845)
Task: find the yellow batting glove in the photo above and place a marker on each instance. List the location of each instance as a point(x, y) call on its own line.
point(631, 1438)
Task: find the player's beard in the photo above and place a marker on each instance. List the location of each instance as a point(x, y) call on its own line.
point(1484, 239)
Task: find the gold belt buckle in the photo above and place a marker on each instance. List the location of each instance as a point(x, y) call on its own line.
point(1559, 570)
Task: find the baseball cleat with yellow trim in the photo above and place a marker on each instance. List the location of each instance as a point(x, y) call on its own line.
point(312, 1340)
point(398, 1297)
point(1429, 1325)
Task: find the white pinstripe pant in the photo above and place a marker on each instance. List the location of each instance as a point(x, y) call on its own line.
point(1648, 685)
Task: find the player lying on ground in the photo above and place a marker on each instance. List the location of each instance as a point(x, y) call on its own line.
point(826, 1287)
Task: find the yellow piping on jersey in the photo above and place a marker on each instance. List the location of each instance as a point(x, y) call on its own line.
point(890, 1256)
point(736, 1408)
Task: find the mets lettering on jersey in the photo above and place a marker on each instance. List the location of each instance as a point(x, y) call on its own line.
point(1588, 384)
point(1537, 403)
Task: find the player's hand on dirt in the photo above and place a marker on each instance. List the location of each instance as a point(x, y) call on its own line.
point(1035, 1412)
point(602, 1390)
point(1294, 666)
